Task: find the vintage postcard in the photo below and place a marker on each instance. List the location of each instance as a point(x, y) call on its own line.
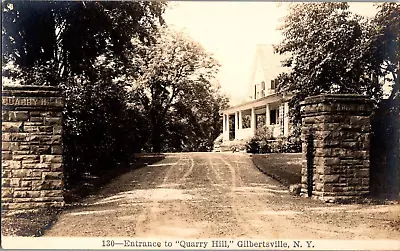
point(189, 125)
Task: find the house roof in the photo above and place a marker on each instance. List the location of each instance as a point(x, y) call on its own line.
point(269, 62)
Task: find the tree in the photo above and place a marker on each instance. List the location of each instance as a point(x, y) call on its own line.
point(385, 140)
point(385, 43)
point(86, 48)
point(48, 41)
point(328, 53)
point(334, 51)
point(174, 87)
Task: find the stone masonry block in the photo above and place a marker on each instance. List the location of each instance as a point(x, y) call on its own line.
point(21, 173)
point(11, 164)
point(332, 178)
point(50, 139)
point(6, 192)
point(4, 116)
point(52, 185)
point(57, 129)
point(10, 146)
point(36, 184)
point(364, 172)
point(5, 173)
point(56, 167)
point(36, 119)
point(29, 161)
point(6, 155)
point(56, 149)
point(26, 183)
point(26, 157)
point(52, 193)
point(42, 166)
point(52, 175)
point(6, 136)
point(18, 116)
point(51, 158)
point(26, 194)
point(11, 127)
point(52, 121)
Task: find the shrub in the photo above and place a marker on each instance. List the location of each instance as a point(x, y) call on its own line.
point(263, 142)
point(253, 146)
point(292, 144)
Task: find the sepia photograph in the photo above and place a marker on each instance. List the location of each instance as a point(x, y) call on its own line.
point(200, 125)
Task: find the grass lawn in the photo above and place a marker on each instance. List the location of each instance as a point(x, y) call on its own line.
point(284, 167)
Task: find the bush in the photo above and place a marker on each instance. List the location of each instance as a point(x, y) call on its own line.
point(253, 146)
point(293, 142)
point(263, 142)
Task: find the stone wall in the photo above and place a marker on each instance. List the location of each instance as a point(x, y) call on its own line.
point(32, 170)
point(336, 143)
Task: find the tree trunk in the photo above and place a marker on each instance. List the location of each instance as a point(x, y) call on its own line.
point(156, 142)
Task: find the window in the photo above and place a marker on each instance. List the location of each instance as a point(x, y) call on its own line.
point(272, 117)
point(246, 121)
point(273, 84)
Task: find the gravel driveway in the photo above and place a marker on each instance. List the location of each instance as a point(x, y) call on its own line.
point(207, 195)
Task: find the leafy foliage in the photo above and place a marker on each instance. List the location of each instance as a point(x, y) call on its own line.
point(176, 93)
point(128, 87)
point(327, 46)
point(86, 48)
point(264, 142)
point(385, 139)
point(53, 40)
point(334, 51)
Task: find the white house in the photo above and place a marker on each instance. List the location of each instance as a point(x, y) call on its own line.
point(265, 105)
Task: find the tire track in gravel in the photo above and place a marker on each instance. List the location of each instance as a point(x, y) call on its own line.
point(172, 178)
point(149, 210)
point(188, 172)
point(231, 186)
point(273, 224)
point(220, 187)
point(236, 179)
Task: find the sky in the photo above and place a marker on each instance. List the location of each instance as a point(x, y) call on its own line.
point(231, 30)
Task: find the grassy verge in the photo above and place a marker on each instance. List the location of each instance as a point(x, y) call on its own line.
point(283, 167)
point(91, 184)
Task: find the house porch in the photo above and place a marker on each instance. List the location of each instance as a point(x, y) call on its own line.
point(241, 122)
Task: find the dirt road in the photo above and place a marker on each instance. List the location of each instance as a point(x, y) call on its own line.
point(204, 195)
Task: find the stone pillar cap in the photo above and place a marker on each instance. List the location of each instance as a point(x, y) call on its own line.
point(331, 98)
point(31, 90)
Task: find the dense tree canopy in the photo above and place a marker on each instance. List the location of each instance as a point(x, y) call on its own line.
point(129, 85)
point(53, 40)
point(175, 89)
point(335, 51)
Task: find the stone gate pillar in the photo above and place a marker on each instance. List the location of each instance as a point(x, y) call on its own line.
point(335, 135)
point(32, 171)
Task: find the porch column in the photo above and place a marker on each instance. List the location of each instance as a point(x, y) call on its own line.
point(236, 124)
point(240, 120)
point(253, 119)
point(227, 124)
point(267, 115)
point(286, 119)
point(223, 123)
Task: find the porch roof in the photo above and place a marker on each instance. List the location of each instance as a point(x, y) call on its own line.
point(273, 98)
